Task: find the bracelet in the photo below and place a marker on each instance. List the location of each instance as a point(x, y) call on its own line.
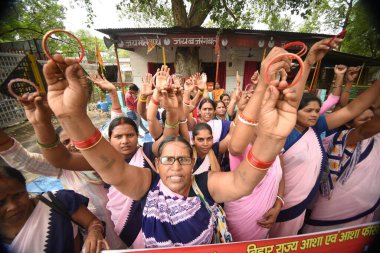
point(142, 100)
point(233, 123)
point(247, 121)
point(281, 200)
point(183, 121)
point(171, 126)
point(200, 92)
point(101, 225)
point(50, 145)
point(252, 160)
point(89, 142)
point(115, 109)
point(6, 141)
point(154, 101)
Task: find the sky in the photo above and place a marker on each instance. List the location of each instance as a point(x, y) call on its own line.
point(106, 16)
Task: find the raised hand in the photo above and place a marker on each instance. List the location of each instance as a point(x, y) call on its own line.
point(243, 101)
point(320, 49)
point(352, 73)
point(255, 78)
point(176, 81)
point(189, 85)
point(67, 86)
point(36, 108)
point(146, 87)
point(163, 77)
point(340, 69)
point(168, 98)
point(102, 82)
point(200, 80)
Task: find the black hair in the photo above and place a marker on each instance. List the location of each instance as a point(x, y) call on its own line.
point(204, 101)
point(307, 98)
point(224, 95)
point(133, 87)
point(173, 138)
point(201, 126)
point(121, 120)
point(219, 101)
point(58, 130)
point(12, 173)
point(163, 117)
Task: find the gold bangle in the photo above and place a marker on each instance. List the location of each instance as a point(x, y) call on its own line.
point(142, 100)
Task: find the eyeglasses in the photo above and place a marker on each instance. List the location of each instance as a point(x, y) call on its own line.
point(170, 160)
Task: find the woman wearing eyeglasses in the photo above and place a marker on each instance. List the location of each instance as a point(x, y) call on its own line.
point(173, 214)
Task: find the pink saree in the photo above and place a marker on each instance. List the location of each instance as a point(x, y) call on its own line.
point(352, 201)
point(243, 214)
point(302, 164)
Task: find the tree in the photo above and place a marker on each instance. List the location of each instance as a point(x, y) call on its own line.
point(193, 13)
point(28, 19)
point(362, 37)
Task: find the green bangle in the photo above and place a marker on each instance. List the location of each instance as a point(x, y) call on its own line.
point(50, 145)
point(171, 126)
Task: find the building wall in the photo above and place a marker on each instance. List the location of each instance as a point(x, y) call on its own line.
point(234, 58)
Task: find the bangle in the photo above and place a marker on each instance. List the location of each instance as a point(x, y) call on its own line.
point(200, 92)
point(142, 99)
point(171, 126)
point(246, 121)
point(154, 101)
point(183, 121)
point(281, 200)
point(97, 224)
point(89, 142)
point(115, 109)
point(50, 145)
point(6, 141)
point(233, 123)
point(252, 160)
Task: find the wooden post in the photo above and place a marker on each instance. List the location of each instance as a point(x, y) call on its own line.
point(119, 72)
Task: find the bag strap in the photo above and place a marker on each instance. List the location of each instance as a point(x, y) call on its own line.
point(200, 195)
point(57, 206)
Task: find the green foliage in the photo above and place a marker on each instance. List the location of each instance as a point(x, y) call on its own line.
point(361, 37)
point(28, 19)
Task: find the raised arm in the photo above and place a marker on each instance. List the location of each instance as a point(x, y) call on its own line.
point(145, 92)
point(236, 94)
point(104, 84)
point(277, 119)
point(364, 131)
point(39, 115)
point(351, 75)
point(353, 109)
point(67, 97)
point(334, 96)
point(155, 129)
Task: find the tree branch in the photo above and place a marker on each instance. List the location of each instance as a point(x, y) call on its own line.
point(228, 10)
point(21, 28)
point(179, 13)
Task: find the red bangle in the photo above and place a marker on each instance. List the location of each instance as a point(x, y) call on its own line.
point(154, 101)
point(302, 52)
point(252, 160)
point(117, 108)
point(90, 142)
point(253, 122)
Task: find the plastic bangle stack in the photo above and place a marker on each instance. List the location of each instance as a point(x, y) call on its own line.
point(116, 109)
point(281, 200)
point(246, 121)
point(200, 92)
point(259, 165)
point(90, 142)
point(154, 101)
point(50, 145)
point(142, 100)
point(171, 126)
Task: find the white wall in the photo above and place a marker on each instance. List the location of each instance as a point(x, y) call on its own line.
point(235, 56)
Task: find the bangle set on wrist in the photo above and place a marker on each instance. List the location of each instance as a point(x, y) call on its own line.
point(281, 200)
point(50, 145)
point(143, 99)
point(170, 125)
point(247, 121)
point(90, 142)
point(257, 164)
point(154, 101)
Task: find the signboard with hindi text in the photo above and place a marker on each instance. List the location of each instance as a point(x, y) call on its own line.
point(348, 240)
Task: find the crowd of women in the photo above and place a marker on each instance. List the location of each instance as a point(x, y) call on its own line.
point(267, 162)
